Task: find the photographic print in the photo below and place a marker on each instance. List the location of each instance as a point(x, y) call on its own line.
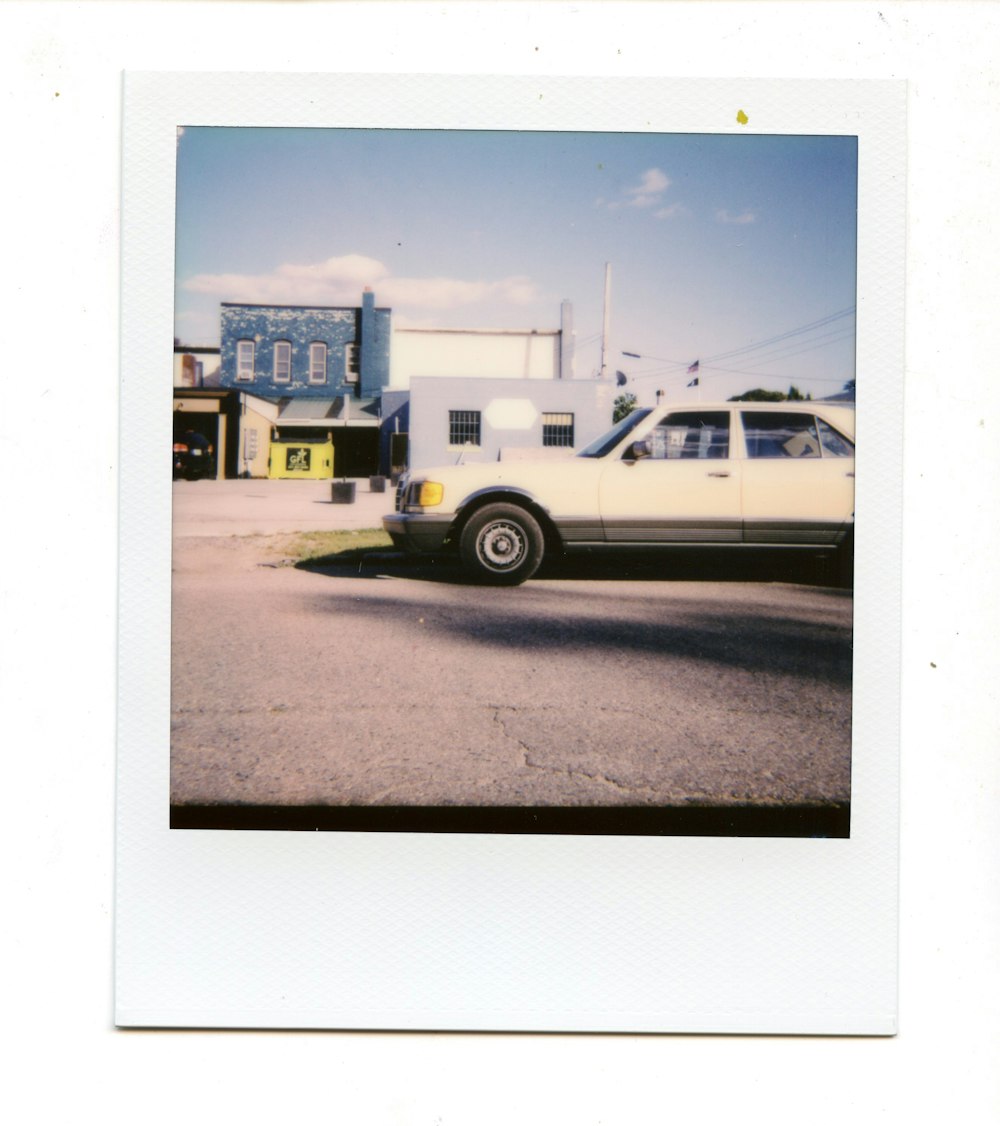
point(513, 480)
point(498, 653)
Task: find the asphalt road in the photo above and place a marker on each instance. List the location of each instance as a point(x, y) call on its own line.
point(383, 685)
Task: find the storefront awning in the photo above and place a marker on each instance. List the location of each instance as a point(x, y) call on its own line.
point(340, 411)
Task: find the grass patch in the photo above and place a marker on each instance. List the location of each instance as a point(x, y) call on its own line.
point(343, 546)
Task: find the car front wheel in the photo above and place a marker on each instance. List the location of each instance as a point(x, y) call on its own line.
point(502, 545)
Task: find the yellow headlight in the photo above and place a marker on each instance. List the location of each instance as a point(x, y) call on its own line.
point(429, 493)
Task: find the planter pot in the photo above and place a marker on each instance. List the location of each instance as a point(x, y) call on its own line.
point(342, 492)
point(376, 484)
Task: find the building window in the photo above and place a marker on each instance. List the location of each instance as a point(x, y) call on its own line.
point(282, 362)
point(244, 361)
point(557, 429)
point(317, 363)
point(464, 428)
point(352, 368)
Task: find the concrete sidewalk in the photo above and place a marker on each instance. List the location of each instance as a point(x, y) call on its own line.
point(257, 507)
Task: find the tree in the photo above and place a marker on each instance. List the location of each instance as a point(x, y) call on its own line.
point(759, 395)
point(624, 405)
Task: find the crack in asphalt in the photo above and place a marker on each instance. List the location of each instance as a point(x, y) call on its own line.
point(567, 771)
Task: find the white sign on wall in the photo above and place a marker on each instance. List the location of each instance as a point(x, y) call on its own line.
point(511, 414)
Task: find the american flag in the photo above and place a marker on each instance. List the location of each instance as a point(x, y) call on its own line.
point(691, 371)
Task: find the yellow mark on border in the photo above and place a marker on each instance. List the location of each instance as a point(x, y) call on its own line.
point(742, 118)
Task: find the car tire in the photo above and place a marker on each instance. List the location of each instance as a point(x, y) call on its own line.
point(502, 545)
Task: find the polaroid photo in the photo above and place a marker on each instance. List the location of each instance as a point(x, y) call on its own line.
point(498, 653)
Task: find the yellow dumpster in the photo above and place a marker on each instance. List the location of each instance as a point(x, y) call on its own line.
point(300, 458)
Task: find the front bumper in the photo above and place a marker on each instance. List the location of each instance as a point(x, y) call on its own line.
point(417, 532)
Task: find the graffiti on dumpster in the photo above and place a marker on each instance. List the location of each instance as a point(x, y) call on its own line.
point(298, 459)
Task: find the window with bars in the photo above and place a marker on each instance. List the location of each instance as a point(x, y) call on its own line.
point(282, 361)
point(557, 429)
point(244, 361)
point(464, 428)
point(317, 363)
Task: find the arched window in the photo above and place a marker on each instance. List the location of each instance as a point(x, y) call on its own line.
point(244, 361)
point(351, 365)
point(317, 362)
point(282, 361)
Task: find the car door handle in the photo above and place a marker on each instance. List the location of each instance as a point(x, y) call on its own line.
point(718, 473)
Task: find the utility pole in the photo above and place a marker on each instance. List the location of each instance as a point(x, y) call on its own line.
point(607, 320)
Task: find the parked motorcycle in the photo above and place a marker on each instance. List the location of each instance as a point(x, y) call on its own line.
point(193, 457)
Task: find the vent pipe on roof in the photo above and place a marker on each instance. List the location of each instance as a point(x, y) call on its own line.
point(567, 342)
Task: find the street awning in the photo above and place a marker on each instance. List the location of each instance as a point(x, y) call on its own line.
point(340, 411)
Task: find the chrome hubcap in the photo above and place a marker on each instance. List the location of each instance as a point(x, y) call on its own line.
point(501, 546)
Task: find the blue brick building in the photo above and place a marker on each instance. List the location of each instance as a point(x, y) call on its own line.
point(294, 375)
point(325, 368)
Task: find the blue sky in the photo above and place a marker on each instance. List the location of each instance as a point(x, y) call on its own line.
point(718, 244)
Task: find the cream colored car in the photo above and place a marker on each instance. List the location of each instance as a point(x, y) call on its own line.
point(722, 474)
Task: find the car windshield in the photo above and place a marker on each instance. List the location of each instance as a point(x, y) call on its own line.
point(607, 442)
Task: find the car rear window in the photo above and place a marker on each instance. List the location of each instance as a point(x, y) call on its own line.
point(772, 434)
point(780, 434)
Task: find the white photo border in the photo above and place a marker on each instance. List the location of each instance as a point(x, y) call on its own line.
point(372, 930)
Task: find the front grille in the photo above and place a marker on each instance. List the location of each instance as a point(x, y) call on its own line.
point(401, 493)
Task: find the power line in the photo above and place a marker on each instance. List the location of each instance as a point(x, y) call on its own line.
point(823, 321)
point(681, 366)
point(786, 354)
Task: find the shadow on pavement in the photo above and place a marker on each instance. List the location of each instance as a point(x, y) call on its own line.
point(715, 634)
point(742, 565)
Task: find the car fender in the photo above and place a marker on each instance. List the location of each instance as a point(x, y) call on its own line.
point(499, 492)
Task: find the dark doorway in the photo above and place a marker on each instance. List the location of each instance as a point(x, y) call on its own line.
point(399, 448)
point(355, 451)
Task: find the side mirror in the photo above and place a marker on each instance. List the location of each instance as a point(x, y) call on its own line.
point(639, 450)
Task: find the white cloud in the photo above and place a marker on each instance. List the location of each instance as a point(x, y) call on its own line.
point(652, 184)
point(646, 192)
point(743, 217)
point(670, 212)
point(339, 281)
point(336, 281)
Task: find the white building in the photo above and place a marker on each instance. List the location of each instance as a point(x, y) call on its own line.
point(482, 353)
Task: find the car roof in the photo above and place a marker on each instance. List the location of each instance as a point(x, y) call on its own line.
point(822, 405)
point(841, 414)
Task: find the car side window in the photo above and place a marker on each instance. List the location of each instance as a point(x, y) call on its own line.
point(691, 434)
point(834, 443)
point(780, 434)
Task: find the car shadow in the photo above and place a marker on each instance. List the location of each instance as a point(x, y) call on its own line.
point(742, 565)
